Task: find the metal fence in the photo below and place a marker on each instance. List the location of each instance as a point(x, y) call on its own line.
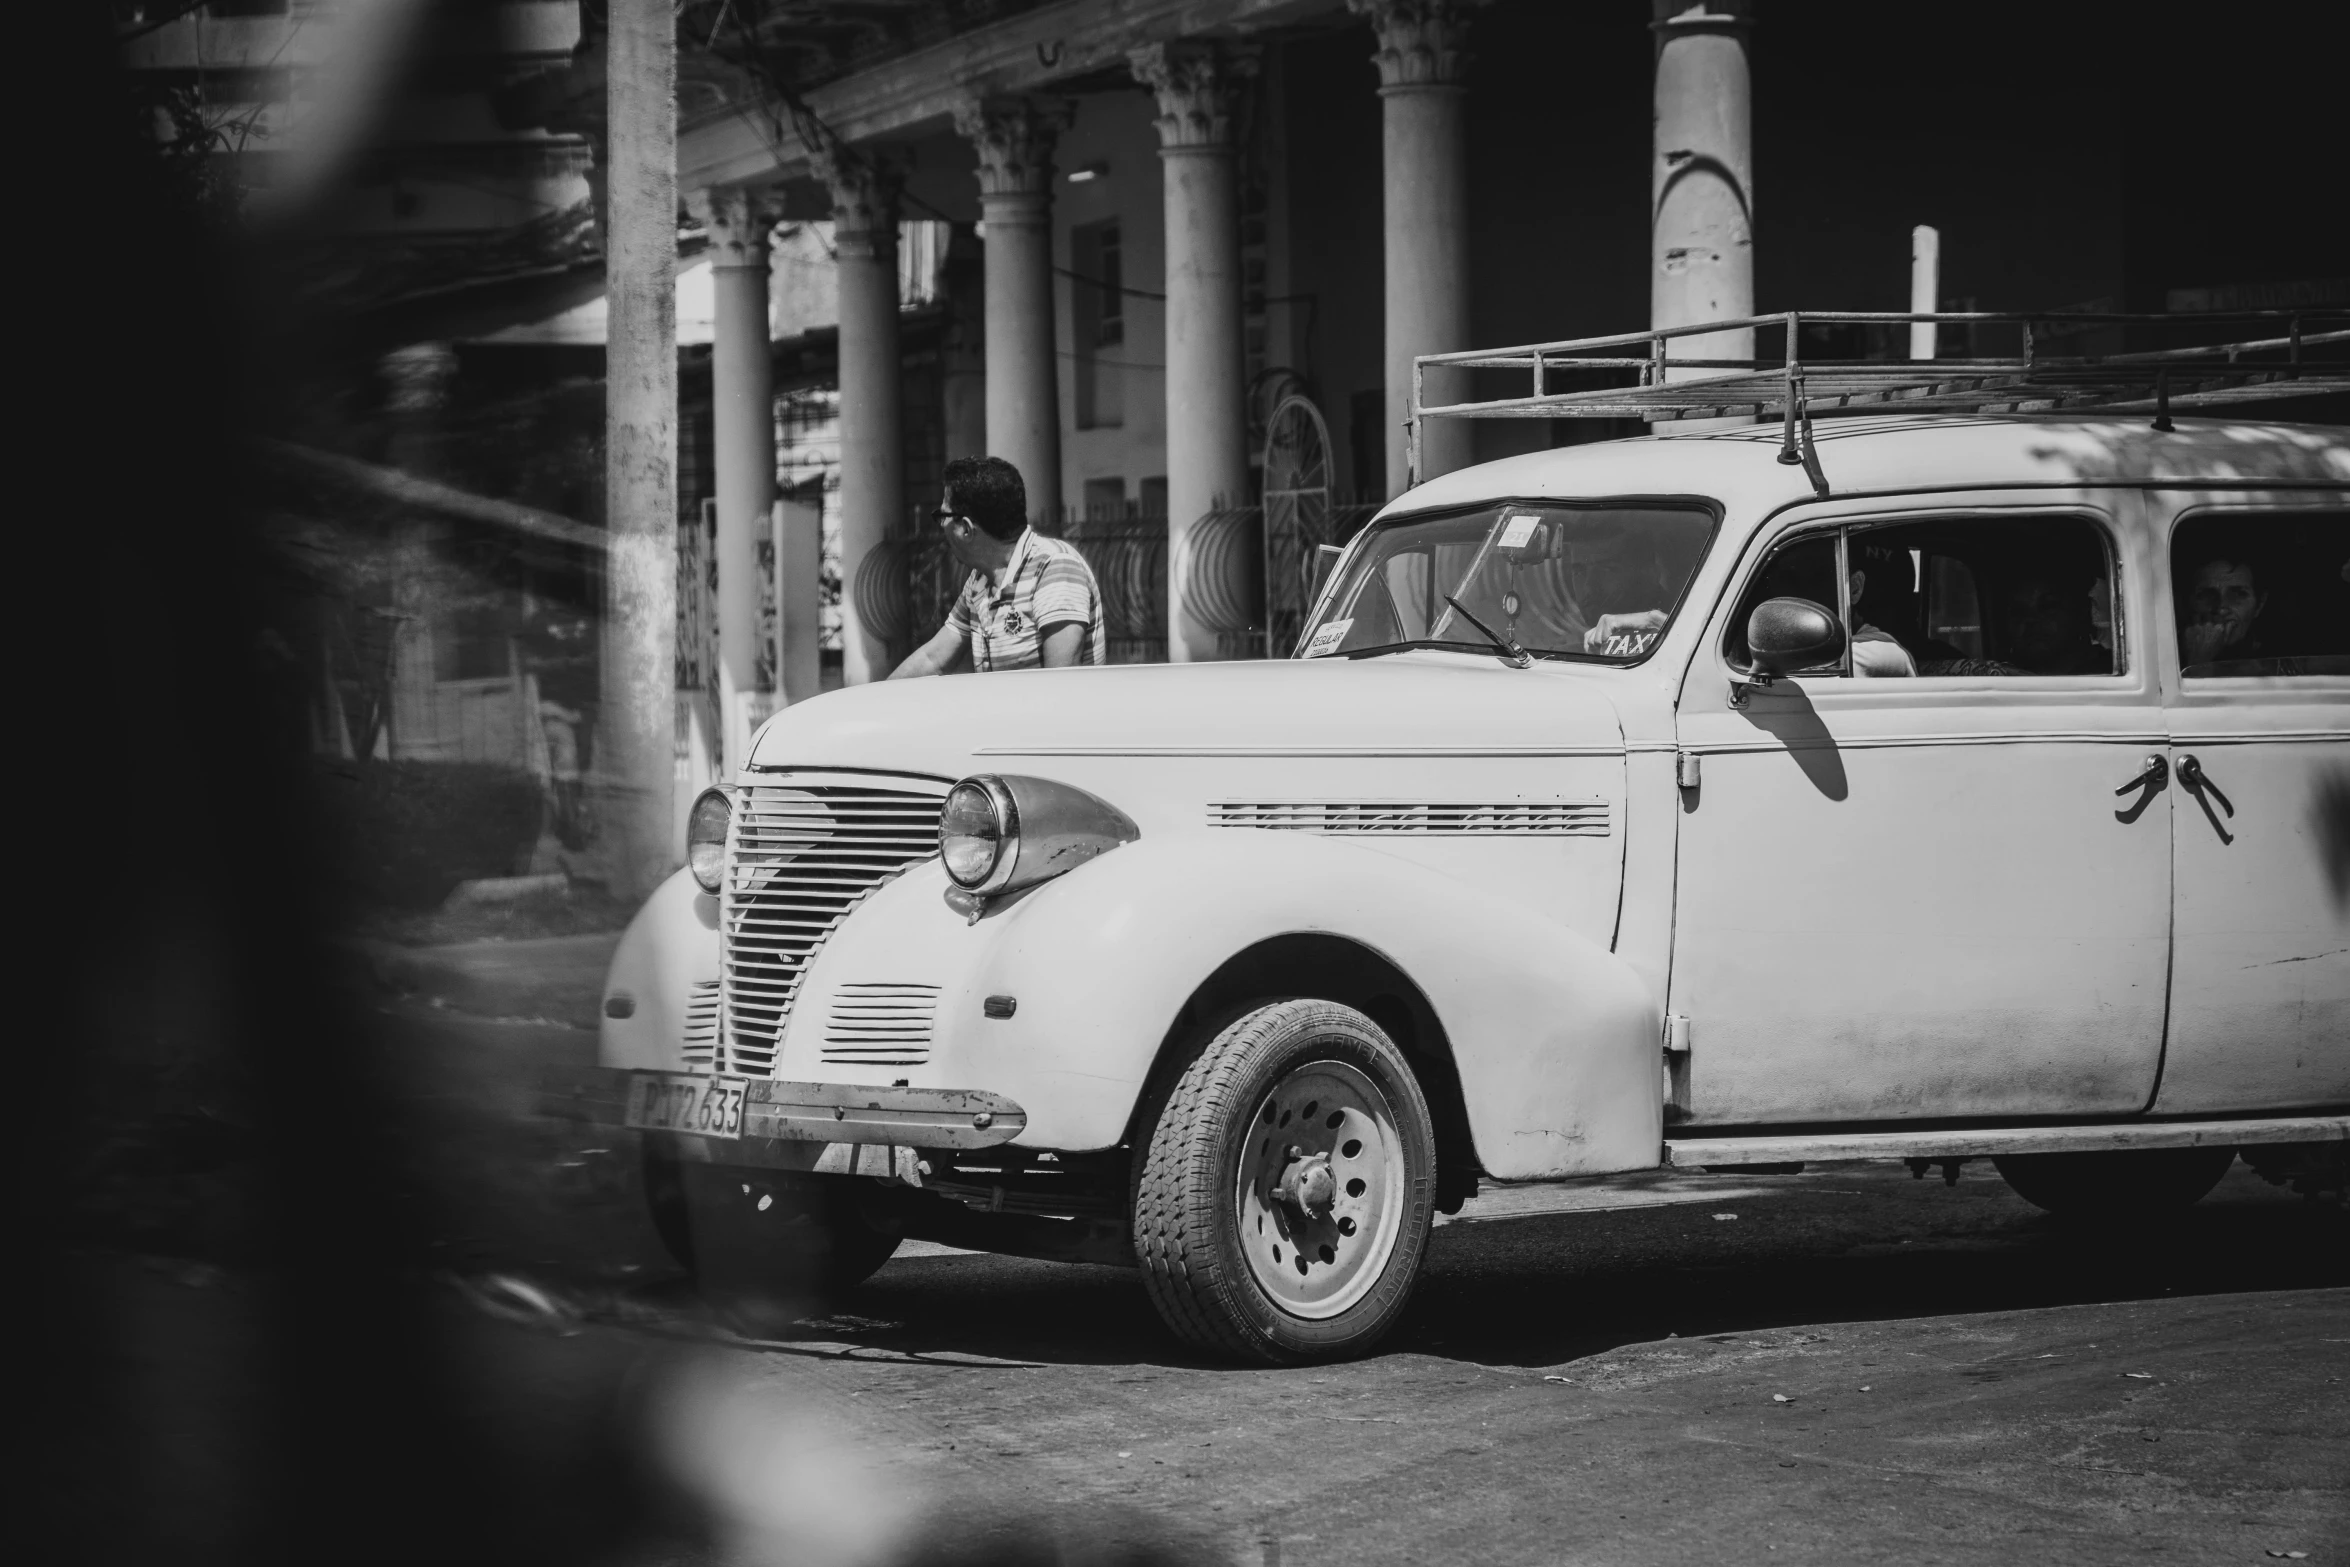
point(1128, 555)
point(1256, 590)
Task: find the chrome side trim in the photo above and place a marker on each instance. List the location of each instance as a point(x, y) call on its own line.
point(1682, 1152)
point(1898, 742)
point(2265, 737)
point(1298, 750)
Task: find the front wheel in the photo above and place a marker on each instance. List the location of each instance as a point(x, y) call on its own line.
point(1284, 1194)
point(2138, 1183)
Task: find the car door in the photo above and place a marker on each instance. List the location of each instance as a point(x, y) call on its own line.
point(1939, 894)
point(2256, 649)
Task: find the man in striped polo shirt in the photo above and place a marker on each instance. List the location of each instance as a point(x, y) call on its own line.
point(1029, 601)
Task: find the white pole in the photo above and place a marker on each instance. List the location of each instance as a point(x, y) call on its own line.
point(1702, 179)
point(1424, 162)
point(872, 409)
point(1925, 286)
point(636, 734)
point(1014, 139)
point(1207, 418)
point(742, 422)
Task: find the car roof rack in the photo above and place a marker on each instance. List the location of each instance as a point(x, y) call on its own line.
point(2303, 353)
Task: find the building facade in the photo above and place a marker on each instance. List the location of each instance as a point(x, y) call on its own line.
point(1186, 209)
point(1109, 240)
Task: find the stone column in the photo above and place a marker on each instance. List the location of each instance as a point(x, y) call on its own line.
point(799, 564)
point(1014, 138)
point(963, 347)
point(742, 388)
point(1702, 212)
point(872, 423)
point(416, 381)
point(1207, 421)
point(636, 735)
point(1421, 66)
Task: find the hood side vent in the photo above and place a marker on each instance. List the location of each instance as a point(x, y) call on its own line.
point(1440, 818)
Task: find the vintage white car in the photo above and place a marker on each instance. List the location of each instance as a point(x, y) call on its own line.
point(1628, 804)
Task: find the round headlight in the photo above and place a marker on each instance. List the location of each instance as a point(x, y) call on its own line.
point(978, 832)
point(705, 838)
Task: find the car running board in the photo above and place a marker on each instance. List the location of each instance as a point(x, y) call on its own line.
point(1983, 1141)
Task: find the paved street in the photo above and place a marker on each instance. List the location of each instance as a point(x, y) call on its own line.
point(1847, 1365)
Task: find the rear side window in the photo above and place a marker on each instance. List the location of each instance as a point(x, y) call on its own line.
point(1955, 597)
point(2262, 594)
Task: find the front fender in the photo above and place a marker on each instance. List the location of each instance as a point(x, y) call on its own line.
point(1555, 1039)
point(664, 976)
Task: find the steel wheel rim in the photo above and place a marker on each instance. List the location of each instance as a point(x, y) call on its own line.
point(1316, 1264)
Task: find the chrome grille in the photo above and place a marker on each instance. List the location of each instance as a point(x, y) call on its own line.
point(805, 849)
point(701, 1026)
point(1451, 818)
point(880, 1024)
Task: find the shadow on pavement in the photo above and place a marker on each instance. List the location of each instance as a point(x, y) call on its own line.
point(1852, 1244)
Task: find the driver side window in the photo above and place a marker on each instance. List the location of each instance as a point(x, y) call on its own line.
point(1953, 597)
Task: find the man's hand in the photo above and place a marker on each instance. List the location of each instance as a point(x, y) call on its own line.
point(938, 656)
point(1631, 623)
point(2200, 641)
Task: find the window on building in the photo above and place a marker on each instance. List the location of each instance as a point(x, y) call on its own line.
point(1152, 500)
point(1104, 499)
point(1109, 328)
point(1366, 432)
point(471, 643)
point(1098, 330)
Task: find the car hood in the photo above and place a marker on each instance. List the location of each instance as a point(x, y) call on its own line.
point(1404, 705)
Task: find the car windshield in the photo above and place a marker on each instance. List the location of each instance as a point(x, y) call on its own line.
point(1593, 581)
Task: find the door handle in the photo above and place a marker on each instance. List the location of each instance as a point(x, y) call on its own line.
point(2151, 776)
point(2191, 774)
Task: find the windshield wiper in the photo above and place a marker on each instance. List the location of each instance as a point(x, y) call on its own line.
point(1512, 654)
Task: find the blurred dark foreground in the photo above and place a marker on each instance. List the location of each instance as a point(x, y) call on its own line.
point(247, 1345)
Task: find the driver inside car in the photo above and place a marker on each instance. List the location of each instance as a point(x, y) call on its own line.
point(1618, 585)
point(1876, 651)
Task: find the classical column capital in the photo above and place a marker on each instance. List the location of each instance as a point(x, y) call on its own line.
point(1680, 18)
point(739, 219)
point(1197, 85)
point(1014, 137)
point(865, 188)
point(1421, 42)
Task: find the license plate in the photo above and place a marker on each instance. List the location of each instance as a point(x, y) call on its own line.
point(673, 1102)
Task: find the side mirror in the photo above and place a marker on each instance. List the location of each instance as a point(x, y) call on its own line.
point(1787, 634)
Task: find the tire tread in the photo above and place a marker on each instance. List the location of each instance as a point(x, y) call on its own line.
point(1178, 1187)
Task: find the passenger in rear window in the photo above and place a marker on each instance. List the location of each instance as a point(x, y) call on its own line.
point(2224, 604)
point(2050, 629)
point(2265, 595)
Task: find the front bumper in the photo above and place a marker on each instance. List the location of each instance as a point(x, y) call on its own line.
point(860, 1113)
